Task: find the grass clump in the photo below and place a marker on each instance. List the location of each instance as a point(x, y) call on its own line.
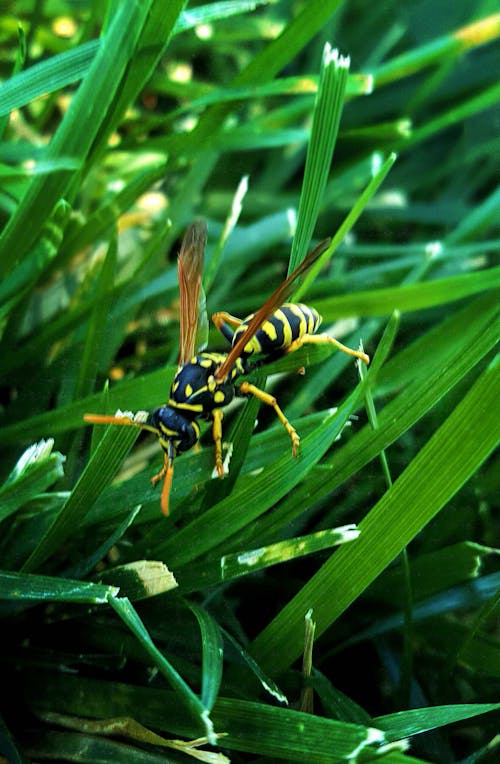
point(127, 633)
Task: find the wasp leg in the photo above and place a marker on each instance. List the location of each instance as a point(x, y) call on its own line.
point(325, 339)
point(224, 321)
point(166, 474)
point(217, 417)
point(248, 389)
point(161, 474)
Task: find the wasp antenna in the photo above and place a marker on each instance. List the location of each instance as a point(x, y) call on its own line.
point(125, 420)
point(104, 419)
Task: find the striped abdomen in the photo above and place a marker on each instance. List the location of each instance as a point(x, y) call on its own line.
point(288, 323)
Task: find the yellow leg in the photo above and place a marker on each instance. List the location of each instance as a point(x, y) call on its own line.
point(166, 474)
point(161, 474)
point(248, 389)
point(217, 436)
point(221, 317)
point(325, 339)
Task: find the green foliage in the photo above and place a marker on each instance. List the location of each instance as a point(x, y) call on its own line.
point(120, 123)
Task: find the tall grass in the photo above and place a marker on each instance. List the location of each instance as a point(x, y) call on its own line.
point(127, 634)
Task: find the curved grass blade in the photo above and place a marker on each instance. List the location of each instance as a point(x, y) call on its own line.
point(183, 692)
point(212, 652)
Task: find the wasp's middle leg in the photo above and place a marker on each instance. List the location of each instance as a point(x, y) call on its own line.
point(246, 388)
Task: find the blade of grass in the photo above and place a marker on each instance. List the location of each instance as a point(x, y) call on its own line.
point(461, 40)
point(183, 692)
point(243, 563)
point(431, 479)
point(36, 470)
point(99, 471)
point(408, 297)
point(419, 720)
point(71, 66)
point(212, 656)
point(27, 587)
point(325, 125)
point(252, 727)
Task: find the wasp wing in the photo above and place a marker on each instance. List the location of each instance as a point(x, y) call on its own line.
point(272, 304)
point(193, 319)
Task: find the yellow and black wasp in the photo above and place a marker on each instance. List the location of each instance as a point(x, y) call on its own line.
point(206, 382)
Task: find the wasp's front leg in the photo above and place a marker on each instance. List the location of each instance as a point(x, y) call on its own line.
point(217, 417)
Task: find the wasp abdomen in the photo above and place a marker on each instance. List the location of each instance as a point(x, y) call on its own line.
point(289, 323)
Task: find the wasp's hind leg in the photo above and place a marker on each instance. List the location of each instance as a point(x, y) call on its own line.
point(224, 321)
point(325, 339)
point(248, 389)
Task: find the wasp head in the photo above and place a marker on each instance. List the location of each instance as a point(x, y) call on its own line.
point(174, 429)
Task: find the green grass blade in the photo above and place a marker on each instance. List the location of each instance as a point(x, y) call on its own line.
point(25, 587)
point(431, 479)
point(36, 470)
point(255, 727)
point(419, 720)
point(409, 296)
point(183, 692)
point(461, 40)
point(253, 560)
point(100, 470)
point(212, 652)
point(324, 130)
point(348, 222)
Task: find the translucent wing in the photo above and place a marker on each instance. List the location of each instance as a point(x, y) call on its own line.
point(190, 269)
point(270, 306)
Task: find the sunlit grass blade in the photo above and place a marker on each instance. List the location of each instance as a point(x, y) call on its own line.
point(48, 76)
point(325, 124)
point(36, 470)
point(253, 560)
point(27, 587)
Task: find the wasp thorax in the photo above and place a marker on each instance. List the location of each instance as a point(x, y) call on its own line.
point(174, 426)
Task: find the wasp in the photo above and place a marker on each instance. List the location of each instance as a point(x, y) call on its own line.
point(206, 382)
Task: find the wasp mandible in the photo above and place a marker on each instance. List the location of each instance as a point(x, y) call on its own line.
point(206, 382)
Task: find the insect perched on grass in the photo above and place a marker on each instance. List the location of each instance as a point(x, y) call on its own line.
point(206, 382)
